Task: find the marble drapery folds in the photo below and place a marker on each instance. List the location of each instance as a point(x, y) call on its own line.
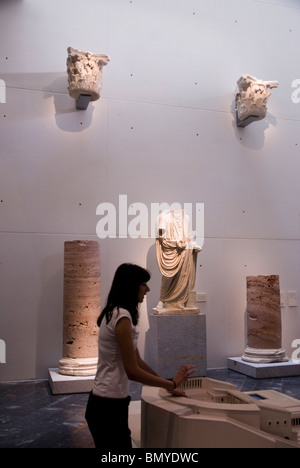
point(176, 253)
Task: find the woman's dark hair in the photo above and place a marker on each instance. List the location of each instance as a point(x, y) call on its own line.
point(124, 291)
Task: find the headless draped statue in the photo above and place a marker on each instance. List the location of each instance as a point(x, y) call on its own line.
point(176, 252)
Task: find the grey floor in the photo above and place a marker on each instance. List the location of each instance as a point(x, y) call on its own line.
point(31, 417)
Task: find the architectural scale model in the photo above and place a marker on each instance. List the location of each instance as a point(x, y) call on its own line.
point(216, 414)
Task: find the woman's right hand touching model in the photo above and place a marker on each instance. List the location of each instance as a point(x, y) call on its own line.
point(183, 374)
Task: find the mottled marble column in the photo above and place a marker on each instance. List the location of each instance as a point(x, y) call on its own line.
point(81, 308)
point(264, 328)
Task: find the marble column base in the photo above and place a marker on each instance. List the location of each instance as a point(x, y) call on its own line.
point(264, 356)
point(78, 367)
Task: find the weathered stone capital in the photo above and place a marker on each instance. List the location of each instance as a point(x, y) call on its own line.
point(252, 96)
point(85, 73)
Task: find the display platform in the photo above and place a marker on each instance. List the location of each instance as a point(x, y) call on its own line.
point(65, 384)
point(264, 371)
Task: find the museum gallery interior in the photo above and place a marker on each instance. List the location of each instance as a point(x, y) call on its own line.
point(165, 134)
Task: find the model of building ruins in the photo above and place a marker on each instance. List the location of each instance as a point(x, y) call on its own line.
point(176, 253)
point(252, 97)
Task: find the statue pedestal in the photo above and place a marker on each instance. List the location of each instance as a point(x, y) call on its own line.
point(66, 384)
point(176, 340)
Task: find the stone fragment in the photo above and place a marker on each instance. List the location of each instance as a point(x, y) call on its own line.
point(85, 73)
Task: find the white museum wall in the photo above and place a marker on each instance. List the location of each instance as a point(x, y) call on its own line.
point(163, 131)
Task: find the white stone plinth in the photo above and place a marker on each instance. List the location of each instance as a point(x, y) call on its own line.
point(66, 384)
point(264, 371)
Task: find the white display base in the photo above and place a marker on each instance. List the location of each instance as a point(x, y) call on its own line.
point(65, 384)
point(185, 311)
point(264, 371)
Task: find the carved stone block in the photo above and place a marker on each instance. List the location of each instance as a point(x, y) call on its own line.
point(85, 73)
point(251, 99)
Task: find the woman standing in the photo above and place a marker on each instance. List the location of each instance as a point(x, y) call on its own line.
point(119, 361)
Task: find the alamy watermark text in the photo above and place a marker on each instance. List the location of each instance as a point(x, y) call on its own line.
point(296, 93)
point(2, 92)
point(296, 353)
point(140, 221)
point(2, 352)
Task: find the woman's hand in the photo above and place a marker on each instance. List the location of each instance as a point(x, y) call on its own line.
point(183, 374)
point(179, 393)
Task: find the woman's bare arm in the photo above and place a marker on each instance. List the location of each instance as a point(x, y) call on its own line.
point(143, 365)
point(135, 367)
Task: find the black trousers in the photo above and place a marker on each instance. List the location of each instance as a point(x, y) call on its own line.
point(107, 420)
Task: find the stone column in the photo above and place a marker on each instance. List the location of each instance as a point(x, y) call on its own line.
point(81, 308)
point(264, 328)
